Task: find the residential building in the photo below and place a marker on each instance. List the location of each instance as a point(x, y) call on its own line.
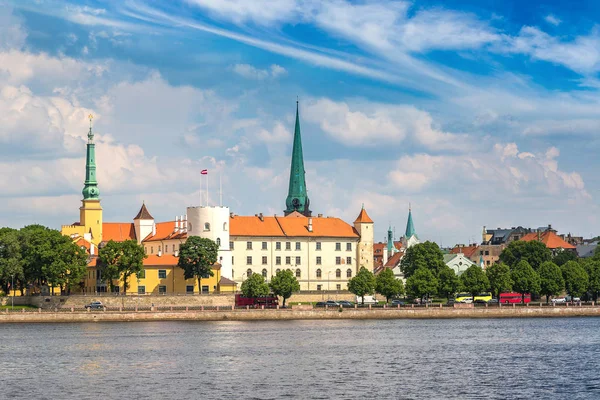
point(459, 262)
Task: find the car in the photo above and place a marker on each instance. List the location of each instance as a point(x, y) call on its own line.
point(450, 302)
point(493, 300)
point(573, 299)
point(559, 300)
point(328, 303)
point(398, 302)
point(94, 305)
point(345, 303)
point(464, 298)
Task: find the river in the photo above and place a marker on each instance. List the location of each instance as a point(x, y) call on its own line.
point(542, 358)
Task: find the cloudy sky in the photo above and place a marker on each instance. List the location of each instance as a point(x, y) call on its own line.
point(476, 112)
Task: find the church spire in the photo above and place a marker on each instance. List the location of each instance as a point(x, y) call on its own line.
point(390, 241)
point(410, 227)
point(297, 199)
point(90, 188)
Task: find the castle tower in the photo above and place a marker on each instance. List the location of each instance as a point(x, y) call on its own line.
point(143, 223)
point(212, 223)
point(364, 252)
point(90, 212)
point(297, 199)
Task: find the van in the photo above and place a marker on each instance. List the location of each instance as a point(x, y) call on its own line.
point(368, 300)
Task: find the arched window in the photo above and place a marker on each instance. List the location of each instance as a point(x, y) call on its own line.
point(318, 273)
point(249, 273)
point(298, 273)
point(206, 226)
point(349, 273)
point(219, 242)
point(277, 271)
point(338, 273)
point(264, 273)
point(189, 227)
point(224, 226)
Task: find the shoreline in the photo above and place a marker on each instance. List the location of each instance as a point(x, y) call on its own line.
point(297, 314)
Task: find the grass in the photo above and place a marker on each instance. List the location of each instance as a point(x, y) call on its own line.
point(20, 307)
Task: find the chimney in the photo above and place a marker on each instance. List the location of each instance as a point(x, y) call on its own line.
point(320, 215)
point(310, 225)
point(159, 253)
point(185, 223)
point(92, 249)
point(261, 217)
point(153, 228)
point(230, 215)
point(176, 253)
point(176, 224)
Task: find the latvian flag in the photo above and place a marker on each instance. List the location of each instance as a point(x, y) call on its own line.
point(204, 172)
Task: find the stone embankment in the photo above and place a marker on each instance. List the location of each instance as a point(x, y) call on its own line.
point(302, 313)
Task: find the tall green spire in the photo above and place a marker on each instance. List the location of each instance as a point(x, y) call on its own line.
point(410, 227)
point(297, 199)
point(90, 188)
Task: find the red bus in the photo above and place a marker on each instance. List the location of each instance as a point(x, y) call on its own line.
point(508, 298)
point(270, 301)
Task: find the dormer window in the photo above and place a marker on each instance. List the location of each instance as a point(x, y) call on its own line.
point(206, 226)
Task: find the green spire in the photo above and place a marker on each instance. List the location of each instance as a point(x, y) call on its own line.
point(90, 188)
point(410, 227)
point(390, 241)
point(297, 199)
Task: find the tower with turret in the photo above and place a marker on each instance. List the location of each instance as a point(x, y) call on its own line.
point(363, 225)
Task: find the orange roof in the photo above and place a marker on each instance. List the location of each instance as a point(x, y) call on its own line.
point(254, 226)
point(468, 251)
point(378, 247)
point(117, 231)
point(165, 259)
point(549, 238)
point(164, 231)
point(321, 227)
point(394, 260)
point(92, 261)
point(363, 217)
point(81, 242)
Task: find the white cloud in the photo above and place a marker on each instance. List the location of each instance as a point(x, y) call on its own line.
point(260, 12)
point(279, 134)
point(552, 20)
point(12, 34)
point(250, 72)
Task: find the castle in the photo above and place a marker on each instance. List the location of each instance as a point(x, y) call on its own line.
point(323, 252)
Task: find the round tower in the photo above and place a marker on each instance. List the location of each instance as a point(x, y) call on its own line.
point(212, 223)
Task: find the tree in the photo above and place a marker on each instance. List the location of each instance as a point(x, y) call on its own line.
point(534, 252)
point(11, 261)
point(564, 256)
point(255, 286)
point(576, 279)
point(387, 285)
point(525, 279)
point(448, 282)
point(422, 283)
point(197, 256)
point(592, 267)
point(362, 284)
point(108, 262)
point(70, 264)
point(131, 261)
point(474, 280)
point(284, 283)
point(551, 280)
point(499, 278)
point(422, 255)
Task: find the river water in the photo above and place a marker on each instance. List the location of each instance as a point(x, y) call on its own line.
point(388, 359)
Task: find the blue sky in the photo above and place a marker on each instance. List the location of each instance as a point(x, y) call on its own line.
point(476, 112)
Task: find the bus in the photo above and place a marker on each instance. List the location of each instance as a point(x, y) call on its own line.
point(509, 298)
point(270, 301)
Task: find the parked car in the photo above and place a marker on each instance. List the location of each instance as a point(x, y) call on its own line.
point(450, 302)
point(493, 300)
point(559, 300)
point(94, 305)
point(328, 303)
point(464, 298)
point(345, 303)
point(398, 302)
point(573, 299)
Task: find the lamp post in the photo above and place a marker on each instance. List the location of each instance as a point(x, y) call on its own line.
point(12, 299)
point(328, 281)
point(138, 293)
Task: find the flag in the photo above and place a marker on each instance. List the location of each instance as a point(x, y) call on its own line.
point(204, 172)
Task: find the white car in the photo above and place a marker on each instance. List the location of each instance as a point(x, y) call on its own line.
point(559, 300)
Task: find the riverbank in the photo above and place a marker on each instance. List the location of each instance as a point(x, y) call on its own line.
point(296, 314)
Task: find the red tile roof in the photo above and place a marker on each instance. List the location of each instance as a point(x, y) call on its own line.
point(164, 231)
point(394, 260)
point(363, 217)
point(290, 226)
point(227, 282)
point(549, 238)
point(118, 231)
point(254, 226)
point(468, 251)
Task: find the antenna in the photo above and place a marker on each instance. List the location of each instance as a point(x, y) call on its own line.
point(220, 190)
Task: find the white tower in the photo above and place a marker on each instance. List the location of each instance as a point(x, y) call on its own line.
point(212, 223)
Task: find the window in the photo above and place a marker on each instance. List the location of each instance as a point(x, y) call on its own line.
point(141, 289)
point(318, 260)
point(319, 273)
point(298, 273)
point(142, 274)
point(298, 261)
point(219, 242)
point(278, 260)
point(146, 250)
point(264, 245)
point(349, 273)
point(338, 247)
point(288, 246)
point(487, 262)
point(277, 245)
point(232, 260)
point(204, 289)
point(189, 289)
point(480, 252)
point(348, 260)
point(288, 260)
point(224, 226)
point(173, 248)
point(319, 287)
point(231, 245)
point(487, 252)
point(264, 260)
point(338, 260)
point(348, 246)
point(162, 289)
point(277, 271)
point(151, 249)
point(166, 248)
point(162, 274)
point(264, 273)
point(338, 287)
point(248, 273)
point(297, 245)
point(206, 226)
point(159, 249)
point(338, 273)
point(318, 245)
point(248, 245)
point(249, 260)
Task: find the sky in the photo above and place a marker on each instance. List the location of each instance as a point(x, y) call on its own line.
point(475, 112)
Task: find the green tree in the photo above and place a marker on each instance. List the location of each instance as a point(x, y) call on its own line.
point(564, 256)
point(387, 285)
point(11, 261)
point(255, 286)
point(70, 264)
point(284, 283)
point(525, 279)
point(35, 247)
point(197, 257)
point(448, 282)
point(131, 261)
point(362, 284)
point(421, 283)
point(422, 255)
point(534, 252)
point(551, 280)
point(474, 280)
point(499, 277)
point(592, 267)
point(576, 279)
point(108, 262)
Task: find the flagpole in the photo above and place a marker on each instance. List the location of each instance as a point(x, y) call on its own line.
point(220, 190)
point(207, 189)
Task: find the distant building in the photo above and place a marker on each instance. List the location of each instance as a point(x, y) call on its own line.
point(586, 250)
point(552, 241)
point(458, 262)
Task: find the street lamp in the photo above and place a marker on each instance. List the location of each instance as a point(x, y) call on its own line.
point(12, 299)
point(328, 281)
